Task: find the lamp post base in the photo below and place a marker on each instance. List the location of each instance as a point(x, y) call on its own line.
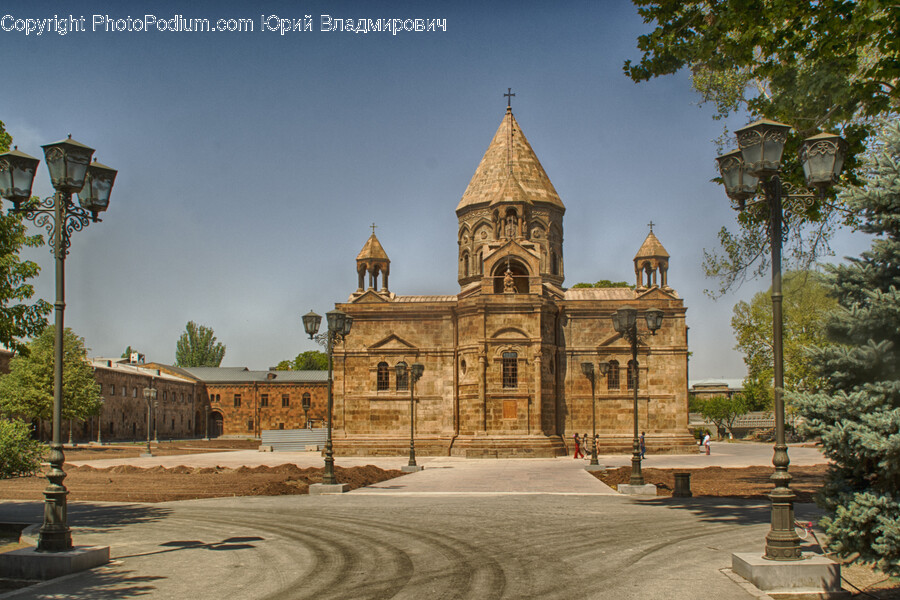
point(318, 489)
point(648, 489)
point(411, 468)
point(30, 563)
point(814, 576)
point(593, 468)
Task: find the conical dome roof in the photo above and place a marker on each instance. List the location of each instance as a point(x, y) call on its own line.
point(509, 157)
point(372, 250)
point(651, 248)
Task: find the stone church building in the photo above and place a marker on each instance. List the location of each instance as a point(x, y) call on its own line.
point(503, 356)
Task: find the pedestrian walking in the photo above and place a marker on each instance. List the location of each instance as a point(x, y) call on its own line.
point(706, 442)
point(643, 444)
point(578, 452)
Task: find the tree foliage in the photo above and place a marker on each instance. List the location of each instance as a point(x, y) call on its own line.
point(311, 360)
point(27, 391)
point(604, 283)
point(19, 454)
point(197, 347)
point(722, 411)
point(805, 305)
point(18, 318)
point(857, 416)
point(817, 66)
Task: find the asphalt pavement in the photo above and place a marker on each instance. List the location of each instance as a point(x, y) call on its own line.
point(479, 529)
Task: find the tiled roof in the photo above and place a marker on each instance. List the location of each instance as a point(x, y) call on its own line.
point(245, 375)
point(509, 171)
point(652, 248)
point(620, 293)
point(112, 364)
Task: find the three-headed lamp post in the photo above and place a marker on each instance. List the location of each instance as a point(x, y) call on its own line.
point(588, 369)
point(339, 324)
point(757, 163)
point(150, 397)
point(625, 323)
point(71, 172)
point(414, 373)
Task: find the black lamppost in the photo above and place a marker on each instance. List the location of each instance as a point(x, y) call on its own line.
point(414, 373)
point(150, 397)
point(306, 407)
point(206, 411)
point(71, 172)
point(625, 323)
point(761, 146)
point(339, 324)
point(588, 369)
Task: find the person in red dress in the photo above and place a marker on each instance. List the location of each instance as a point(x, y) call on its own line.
point(578, 452)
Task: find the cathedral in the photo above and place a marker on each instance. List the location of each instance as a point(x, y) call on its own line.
point(502, 356)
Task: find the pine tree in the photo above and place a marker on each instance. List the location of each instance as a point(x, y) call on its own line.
point(858, 416)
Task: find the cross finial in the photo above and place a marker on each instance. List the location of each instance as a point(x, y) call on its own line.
point(508, 95)
point(651, 224)
point(373, 226)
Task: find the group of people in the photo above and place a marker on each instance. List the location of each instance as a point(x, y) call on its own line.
point(581, 441)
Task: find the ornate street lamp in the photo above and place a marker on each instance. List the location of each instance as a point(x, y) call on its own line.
point(306, 407)
point(206, 410)
point(68, 162)
point(822, 156)
point(150, 397)
point(339, 325)
point(588, 369)
point(414, 373)
point(625, 323)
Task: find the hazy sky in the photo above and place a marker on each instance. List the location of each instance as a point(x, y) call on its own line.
point(252, 163)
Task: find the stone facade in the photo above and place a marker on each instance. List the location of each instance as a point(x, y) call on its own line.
point(502, 357)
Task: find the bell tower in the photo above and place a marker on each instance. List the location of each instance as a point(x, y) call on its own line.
point(510, 216)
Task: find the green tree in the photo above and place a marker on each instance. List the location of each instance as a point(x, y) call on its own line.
point(27, 391)
point(806, 302)
point(197, 347)
point(831, 65)
point(857, 416)
point(721, 411)
point(604, 283)
point(18, 318)
point(19, 454)
point(311, 360)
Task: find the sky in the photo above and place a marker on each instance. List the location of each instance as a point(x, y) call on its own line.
point(252, 163)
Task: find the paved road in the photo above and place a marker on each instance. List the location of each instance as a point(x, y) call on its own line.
point(461, 529)
point(405, 547)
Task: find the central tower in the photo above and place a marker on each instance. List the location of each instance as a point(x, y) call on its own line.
point(510, 218)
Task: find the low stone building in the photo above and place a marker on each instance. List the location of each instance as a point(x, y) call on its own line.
point(243, 402)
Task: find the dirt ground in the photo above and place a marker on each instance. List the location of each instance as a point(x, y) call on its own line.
point(83, 452)
point(125, 483)
point(747, 482)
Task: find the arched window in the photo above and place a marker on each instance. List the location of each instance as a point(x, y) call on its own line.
point(465, 264)
point(612, 376)
point(402, 377)
point(632, 373)
point(510, 370)
point(383, 379)
point(554, 264)
point(481, 263)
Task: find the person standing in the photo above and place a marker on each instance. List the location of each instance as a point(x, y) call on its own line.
point(578, 452)
point(643, 444)
point(706, 442)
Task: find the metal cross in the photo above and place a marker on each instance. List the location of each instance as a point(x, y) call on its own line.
point(651, 224)
point(508, 95)
point(373, 226)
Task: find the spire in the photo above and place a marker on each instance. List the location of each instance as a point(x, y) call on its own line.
point(651, 248)
point(509, 156)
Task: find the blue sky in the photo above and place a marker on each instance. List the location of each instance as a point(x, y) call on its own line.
point(252, 163)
